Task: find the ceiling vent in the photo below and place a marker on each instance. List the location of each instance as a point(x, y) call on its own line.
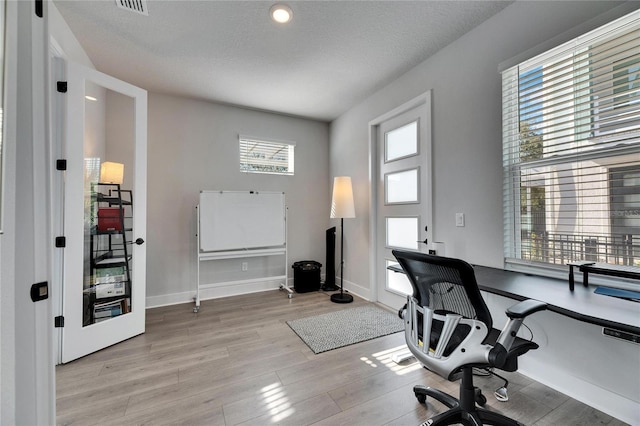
point(138, 6)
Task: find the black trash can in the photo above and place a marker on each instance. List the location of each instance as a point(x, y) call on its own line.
point(306, 276)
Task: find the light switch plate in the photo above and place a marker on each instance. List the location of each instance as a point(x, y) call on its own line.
point(459, 219)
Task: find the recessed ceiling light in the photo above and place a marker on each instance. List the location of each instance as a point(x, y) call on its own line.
point(90, 98)
point(281, 13)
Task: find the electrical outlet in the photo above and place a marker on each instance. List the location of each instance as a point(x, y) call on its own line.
point(432, 251)
point(245, 266)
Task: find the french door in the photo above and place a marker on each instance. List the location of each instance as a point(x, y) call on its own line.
point(104, 261)
point(403, 192)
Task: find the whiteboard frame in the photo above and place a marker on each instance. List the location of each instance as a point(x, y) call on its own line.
point(242, 253)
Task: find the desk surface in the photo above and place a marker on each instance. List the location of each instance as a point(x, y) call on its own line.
point(582, 303)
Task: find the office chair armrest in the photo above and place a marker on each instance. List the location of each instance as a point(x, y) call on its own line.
point(516, 313)
point(525, 308)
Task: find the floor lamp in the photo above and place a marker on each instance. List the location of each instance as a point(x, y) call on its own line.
point(342, 207)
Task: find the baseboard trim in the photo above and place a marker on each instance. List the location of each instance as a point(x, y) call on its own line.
point(356, 289)
point(215, 291)
point(236, 288)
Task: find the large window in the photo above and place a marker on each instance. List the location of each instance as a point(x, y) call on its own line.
point(571, 151)
point(263, 156)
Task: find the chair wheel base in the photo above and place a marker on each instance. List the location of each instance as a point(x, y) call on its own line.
point(456, 413)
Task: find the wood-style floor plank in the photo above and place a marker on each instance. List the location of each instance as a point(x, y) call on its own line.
point(237, 362)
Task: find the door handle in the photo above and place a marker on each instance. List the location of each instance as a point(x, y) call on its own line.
point(139, 241)
point(426, 241)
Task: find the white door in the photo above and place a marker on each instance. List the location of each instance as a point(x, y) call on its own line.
point(104, 223)
point(403, 192)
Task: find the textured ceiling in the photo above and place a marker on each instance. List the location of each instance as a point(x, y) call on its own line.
point(331, 56)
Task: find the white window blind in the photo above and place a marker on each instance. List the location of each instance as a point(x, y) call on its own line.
point(262, 156)
point(571, 151)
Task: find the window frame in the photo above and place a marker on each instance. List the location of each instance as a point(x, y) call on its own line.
point(289, 169)
point(514, 165)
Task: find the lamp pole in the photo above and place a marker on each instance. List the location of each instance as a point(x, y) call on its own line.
point(341, 297)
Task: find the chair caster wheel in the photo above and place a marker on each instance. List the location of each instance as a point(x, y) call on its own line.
point(421, 398)
point(481, 400)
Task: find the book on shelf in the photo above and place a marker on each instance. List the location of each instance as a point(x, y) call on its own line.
point(106, 310)
point(111, 271)
point(110, 289)
point(110, 279)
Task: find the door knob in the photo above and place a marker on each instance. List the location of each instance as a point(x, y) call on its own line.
point(139, 241)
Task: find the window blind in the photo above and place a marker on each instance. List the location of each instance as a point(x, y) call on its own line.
point(571, 150)
point(261, 156)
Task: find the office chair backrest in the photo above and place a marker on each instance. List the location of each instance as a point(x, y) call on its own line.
point(444, 285)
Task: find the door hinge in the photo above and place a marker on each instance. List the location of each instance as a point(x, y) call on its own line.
point(61, 242)
point(61, 164)
point(61, 86)
point(59, 321)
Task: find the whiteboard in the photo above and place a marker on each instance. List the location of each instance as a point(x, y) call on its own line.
point(239, 220)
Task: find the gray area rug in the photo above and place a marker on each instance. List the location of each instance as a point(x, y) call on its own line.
point(345, 327)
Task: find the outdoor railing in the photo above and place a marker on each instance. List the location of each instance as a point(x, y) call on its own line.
point(561, 249)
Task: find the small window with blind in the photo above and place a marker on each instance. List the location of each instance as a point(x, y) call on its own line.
point(266, 156)
point(571, 151)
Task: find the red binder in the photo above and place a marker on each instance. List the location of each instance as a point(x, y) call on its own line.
point(109, 219)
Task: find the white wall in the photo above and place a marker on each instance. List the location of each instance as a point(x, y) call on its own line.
point(193, 146)
point(64, 39)
point(8, 354)
point(467, 164)
point(467, 150)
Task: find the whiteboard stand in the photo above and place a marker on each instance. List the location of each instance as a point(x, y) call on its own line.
point(285, 285)
point(221, 204)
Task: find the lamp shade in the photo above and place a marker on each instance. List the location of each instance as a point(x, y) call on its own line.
point(111, 172)
point(342, 199)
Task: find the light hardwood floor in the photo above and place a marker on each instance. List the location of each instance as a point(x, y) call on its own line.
point(237, 362)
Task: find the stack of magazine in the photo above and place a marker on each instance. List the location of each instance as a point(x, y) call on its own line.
point(106, 310)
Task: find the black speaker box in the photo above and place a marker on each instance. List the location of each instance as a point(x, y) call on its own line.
point(306, 276)
point(330, 265)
